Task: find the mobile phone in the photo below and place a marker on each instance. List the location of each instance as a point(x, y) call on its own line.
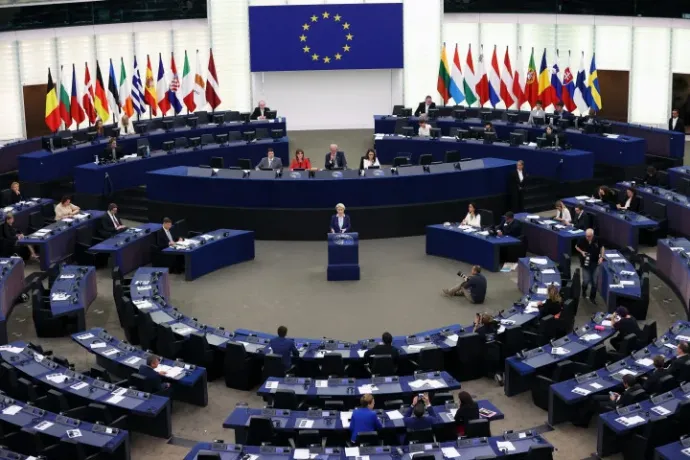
point(420, 396)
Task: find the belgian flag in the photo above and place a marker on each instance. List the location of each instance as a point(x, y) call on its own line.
point(52, 111)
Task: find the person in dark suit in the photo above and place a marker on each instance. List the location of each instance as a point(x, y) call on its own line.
point(152, 376)
point(259, 112)
point(509, 226)
point(110, 224)
point(624, 324)
point(651, 382)
point(606, 195)
point(581, 220)
point(270, 161)
point(651, 178)
point(10, 236)
point(335, 159)
point(632, 201)
point(675, 123)
point(423, 107)
point(549, 136)
point(468, 411)
point(677, 367)
point(590, 118)
point(559, 111)
point(516, 187)
point(167, 237)
point(384, 348)
point(627, 398)
point(100, 131)
point(112, 152)
point(284, 347)
point(340, 222)
point(553, 305)
point(15, 195)
point(420, 415)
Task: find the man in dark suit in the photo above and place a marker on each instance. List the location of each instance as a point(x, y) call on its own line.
point(677, 367)
point(110, 224)
point(152, 376)
point(385, 348)
point(259, 112)
point(423, 107)
point(652, 381)
point(516, 187)
point(675, 123)
point(631, 202)
point(625, 324)
point(167, 237)
point(420, 415)
point(112, 152)
point(335, 159)
point(284, 347)
point(550, 137)
point(509, 226)
point(627, 398)
point(581, 220)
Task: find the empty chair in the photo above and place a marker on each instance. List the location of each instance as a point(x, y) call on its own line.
point(399, 161)
point(244, 163)
point(262, 133)
point(439, 399)
point(166, 343)
point(207, 139)
point(307, 438)
point(36, 221)
point(451, 156)
point(285, 399)
point(478, 428)
point(368, 438)
point(426, 159)
point(420, 436)
point(273, 366)
point(238, 369)
point(398, 110)
point(540, 452)
point(197, 351)
point(564, 370)
point(639, 308)
point(334, 404)
point(382, 365)
point(649, 333)
point(45, 323)
point(430, 359)
point(487, 219)
point(332, 364)
point(234, 136)
point(393, 404)
point(181, 142)
point(260, 431)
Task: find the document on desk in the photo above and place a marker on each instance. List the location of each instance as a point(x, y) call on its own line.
point(133, 360)
point(581, 391)
point(67, 277)
point(321, 383)
point(81, 216)
point(560, 351)
point(96, 345)
point(56, 378)
point(271, 385)
point(630, 421)
point(115, 399)
point(575, 231)
point(452, 337)
point(303, 454)
point(367, 388)
point(85, 336)
point(394, 415)
point(661, 410)
point(59, 296)
point(682, 338)
point(596, 386)
point(606, 323)
point(11, 349)
point(542, 291)
point(79, 385)
point(345, 419)
point(645, 362)
point(305, 423)
point(361, 353)
point(549, 222)
point(142, 304)
point(590, 337)
point(627, 272)
point(582, 197)
point(538, 260)
point(505, 446)
point(417, 384)
point(112, 351)
point(11, 410)
point(44, 425)
point(450, 452)
point(74, 433)
point(548, 271)
point(352, 451)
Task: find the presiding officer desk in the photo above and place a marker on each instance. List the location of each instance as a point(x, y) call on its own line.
point(146, 413)
point(11, 287)
point(567, 398)
point(10, 152)
point(22, 212)
point(380, 203)
point(131, 248)
point(510, 445)
point(45, 166)
point(122, 359)
point(547, 237)
point(109, 442)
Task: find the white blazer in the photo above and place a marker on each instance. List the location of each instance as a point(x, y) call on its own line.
point(475, 221)
point(565, 215)
point(366, 163)
point(425, 130)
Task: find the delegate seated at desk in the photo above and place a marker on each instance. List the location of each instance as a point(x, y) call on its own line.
point(259, 112)
point(424, 127)
point(300, 162)
point(424, 107)
point(678, 366)
point(152, 376)
point(553, 305)
point(364, 418)
point(112, 152)
point(550, 139)
point(420, 415)
point(509, 226)
point(15, 195)
point(10, 236)
point(590, 118)
point(473, 219)
point(385, 348)
point(562, 213)
point(651, 177)
point(632, 201)
point(100, 130)
point(126, 125)
point(489, 127)
point(624, 323)
point(110, 224)
point(65, 208)
point(335, 159)
point(284, 347)
point(370, 160)
point(468, 411)
point(605, 403)
point(582, 220)
point(270, 161)
point(340, 222)
point(167, 237)
point(651, 382)
point(537, 112)
point(607, 196)
point(559, 111)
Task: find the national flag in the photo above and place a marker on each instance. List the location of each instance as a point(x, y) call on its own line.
point(113, 94)
point(125, 92)
point(593, 89)
point(495, 81)
point(531, 83)
point(507, 82)
point(174, 86)
point(556, 82)
point(88, 97)
point(162, 88)
point(74, 107)
point(456, 78)
point(469, 79)
point(568, 90)
point(518, 92)
point(65, 114)
point(199, 85)
point(137, 90)
point(212, 87)
point(580, 94)
point(443, 83)
point(101, 101)
point(544, 82)
point(482, 86)
point(188, 85)
point(52, 110)
point(150, 97)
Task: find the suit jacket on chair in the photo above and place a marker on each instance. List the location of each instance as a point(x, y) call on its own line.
point(338, 162)
point(336, 227)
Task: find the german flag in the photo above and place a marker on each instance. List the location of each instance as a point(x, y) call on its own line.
point(101, 101)
point(52, 111)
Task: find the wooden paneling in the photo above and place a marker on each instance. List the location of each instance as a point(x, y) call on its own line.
point(35, 110)
point(614, 86)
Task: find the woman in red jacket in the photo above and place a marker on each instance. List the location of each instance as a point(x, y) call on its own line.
point(300, 162)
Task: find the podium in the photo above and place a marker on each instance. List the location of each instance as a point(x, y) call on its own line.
point(343, 257)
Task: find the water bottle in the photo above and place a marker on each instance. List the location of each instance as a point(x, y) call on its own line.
point(95, 159)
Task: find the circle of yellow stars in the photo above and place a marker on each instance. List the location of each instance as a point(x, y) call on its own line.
point(324, 17)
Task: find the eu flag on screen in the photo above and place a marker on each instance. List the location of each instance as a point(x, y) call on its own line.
point(326, 37)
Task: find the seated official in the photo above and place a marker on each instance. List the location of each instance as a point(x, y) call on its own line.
point(284, 347)
point(10, 236)
point(384, 348)
point(606, 195)
point(677, 367)
point(537, 112)
point(590, 118)
point(259, 112)
point(100, 130)
point(300, 162)
point(270, 161)
point(473, 287)
point(549, 137)
point(473, 218)
point(370, 160)
point(553, 305)
point(110, 224)
point(423, 107)
point(126, 126)
point(112, 152)
point(651, 177)
point(15, 195)
point(340, 222)
point(489, 127)
point(581, 220)
point(632, 201)
point(485, 325)
point(420, 415)
point(621, 400)
point(624, 324)
point(562, 213)
point(152, 376)
point(559, 111)
point(167, 237)
point(675, 123)
point(651, 381)
point(424, 127)
point(65, 209)
point(364, 418)
point(509, 226)
point(335, 159)
point(468, 411)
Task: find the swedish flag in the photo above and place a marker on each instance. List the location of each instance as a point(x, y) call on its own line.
point(593, 91)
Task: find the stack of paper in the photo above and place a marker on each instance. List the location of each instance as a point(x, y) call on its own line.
point(352, 452)
point(575, 231)
point(645, 362)
point(367, 388)
point(11, 349)
point(450, 452)
point(96, 345)
point(582, 197)
point(560, 351)
point(81, 216)
point(67, 277)
point(272, 385)
point(41, 232)
point(394, 415)
point(452, 337)
point(548, 271)
point(590, 337)
point(303, 454)
point(345, 419)
point(538, 260)
point(361, 353)
point(56, 378)
point(661, 410)
point(207, 237)
point(142, 304)
point(133, 360)
point(110, 352)
point(542, 291)
point(630, 421)
point(59, 296)
point(11, 410)
point(505, 446)
point(321, 383)
point(581, 391)
point(305, 423)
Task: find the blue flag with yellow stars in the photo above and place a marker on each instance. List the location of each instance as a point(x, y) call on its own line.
point(326, 37)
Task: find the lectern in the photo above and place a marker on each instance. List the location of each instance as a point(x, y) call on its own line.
point(343, 257)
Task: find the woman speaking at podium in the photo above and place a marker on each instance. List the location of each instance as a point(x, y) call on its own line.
point(340, 222)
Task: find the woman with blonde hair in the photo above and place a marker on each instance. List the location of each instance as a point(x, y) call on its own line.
point(562, 213)
point(553, 305)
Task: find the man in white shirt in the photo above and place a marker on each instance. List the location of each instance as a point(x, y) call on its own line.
point(537, 112)
point(259, 112)
point(270, 161)
point(110, 224)
point(676, 123)
point(126, 125)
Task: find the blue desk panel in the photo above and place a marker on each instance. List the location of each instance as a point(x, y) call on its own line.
point(73, 292)
point(131, 172)
point(44, 166)
point(677, 205)
point(214, 250)
point(546, 237)
point(470, 246)
point(661, 142)
point(672, 257)
point(561, 165)
point(676, 174)
point(535, 277)
point(23, 210)
point(11, 287)
point(673, 451)
point(10, 152)
point(616, 271)
point(195, 186)
point(148, 282)
point(131, 248)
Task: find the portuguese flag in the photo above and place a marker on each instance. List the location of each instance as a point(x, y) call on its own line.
point(443, 84)
point(52, 111)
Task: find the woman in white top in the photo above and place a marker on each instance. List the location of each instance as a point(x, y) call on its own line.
point(65, 208)
point(424, 127)
point(472, 218)
point(562, 213)
point(370, 160)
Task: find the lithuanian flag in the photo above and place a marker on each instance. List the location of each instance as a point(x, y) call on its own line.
point(443, 85)
point(52, 111)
